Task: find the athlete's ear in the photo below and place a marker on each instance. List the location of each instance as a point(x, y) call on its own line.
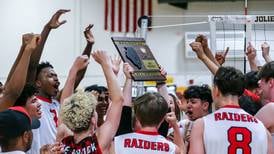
point(215, 92)
point(94, 119)
point(205, 105)
point(38, 83)
point(271, 82)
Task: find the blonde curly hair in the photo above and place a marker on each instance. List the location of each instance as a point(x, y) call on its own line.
point(77, 110)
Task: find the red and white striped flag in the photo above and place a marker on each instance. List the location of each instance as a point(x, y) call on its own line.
point(122, 15)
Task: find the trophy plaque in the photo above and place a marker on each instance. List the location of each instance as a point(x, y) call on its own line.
point(135, 52)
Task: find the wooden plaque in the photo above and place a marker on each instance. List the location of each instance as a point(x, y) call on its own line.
point(135, 52)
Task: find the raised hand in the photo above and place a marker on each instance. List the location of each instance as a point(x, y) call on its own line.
point(88, 34)
point(127, 70)
point(26, 38)
point(163, 71)
point(55, 148)
point(203, 40)
point(265, 52)
point(198, 49)
point(32, 41)
point(101, 57)
point(220, 56)
point(265, 49)
point(251, 52)
point(116, 61)
point(171, 118)
point(81, 62)
point(54, 21)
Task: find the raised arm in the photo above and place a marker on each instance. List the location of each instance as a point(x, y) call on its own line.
point(81, 73)
point(203, 40)
point(178, 140)
point(116, 63)
point(79, 64)
point(90, 42)
point(265, 52)
point(25, 40)
point(251, 56)
point(107, 131)
point(220, 56)
point(161, 86)
point(127, 90)
point(198, 49)
point(126, 116)
point(35, 57)
point(16, 83)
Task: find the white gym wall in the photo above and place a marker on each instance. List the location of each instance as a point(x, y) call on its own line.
point(65, 43)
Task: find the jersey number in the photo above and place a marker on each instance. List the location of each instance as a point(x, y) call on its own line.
point(54, 116)
point(239, 138)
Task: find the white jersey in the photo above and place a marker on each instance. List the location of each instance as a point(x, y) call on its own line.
point(231, 130)
point(143, 142)
point(46, 133)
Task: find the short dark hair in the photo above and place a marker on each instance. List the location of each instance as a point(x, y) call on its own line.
point(97, 88)
point(267, 71)
point(150, 109)
point(28, 91)
point(202, 92)
point(41, 66)
point(230, 81)
point(251, 80)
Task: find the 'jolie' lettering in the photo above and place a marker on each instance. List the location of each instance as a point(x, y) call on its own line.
point(264, 19)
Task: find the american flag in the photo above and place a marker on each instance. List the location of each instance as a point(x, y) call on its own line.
point(122, 15)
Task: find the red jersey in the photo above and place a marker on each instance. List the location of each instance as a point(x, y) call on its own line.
point(88, 145)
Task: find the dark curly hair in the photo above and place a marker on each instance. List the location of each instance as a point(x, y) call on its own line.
point(202, 92)
point(28, 91)
point(251, 80)
point(41, 66)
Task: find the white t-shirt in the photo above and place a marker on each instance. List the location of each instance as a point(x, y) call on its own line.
point(46, 133)
point(232, 130)
point(143, 142)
